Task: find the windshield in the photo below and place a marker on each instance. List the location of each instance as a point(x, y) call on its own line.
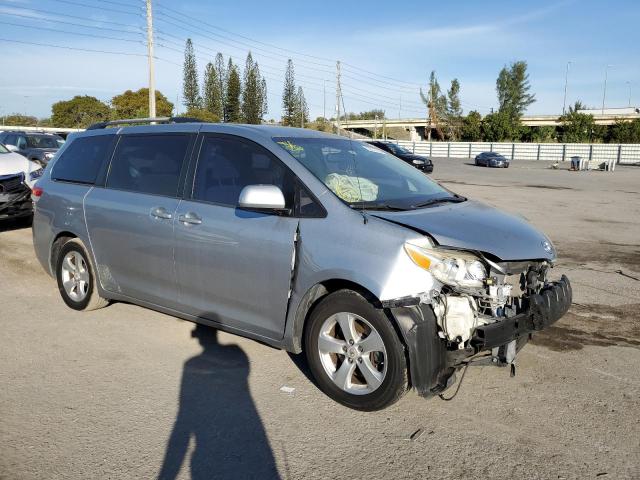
point(3, 149)
point(44, 141)
point(364, 176)
point(397, 149)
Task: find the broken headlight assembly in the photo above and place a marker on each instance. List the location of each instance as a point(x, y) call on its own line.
point(455, 268)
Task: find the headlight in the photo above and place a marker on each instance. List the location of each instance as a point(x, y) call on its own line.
point(417, 162)
point(455, 268)
point(36, 174)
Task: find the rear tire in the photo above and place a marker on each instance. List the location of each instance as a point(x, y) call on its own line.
point(76, 277)
point(354, 352)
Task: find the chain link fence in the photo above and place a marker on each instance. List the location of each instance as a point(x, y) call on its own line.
point(556, 152)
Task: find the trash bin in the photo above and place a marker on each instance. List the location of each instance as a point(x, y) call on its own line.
point(575, 163)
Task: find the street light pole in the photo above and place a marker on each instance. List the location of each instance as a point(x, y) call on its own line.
point(629, 84)
point(604, 93)
point(566, 81)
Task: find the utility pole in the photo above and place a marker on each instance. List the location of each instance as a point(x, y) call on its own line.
point(629, 85)
point(430, 123)
point(400, 109)
point(324, 99)
point(566, 79)
point(152, 73)
point(338, 94)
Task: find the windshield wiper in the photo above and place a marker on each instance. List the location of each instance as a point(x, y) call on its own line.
point(377, 206)
point(436, 201)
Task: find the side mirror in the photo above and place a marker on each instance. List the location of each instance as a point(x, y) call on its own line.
point(267, 198)
point(12, 148)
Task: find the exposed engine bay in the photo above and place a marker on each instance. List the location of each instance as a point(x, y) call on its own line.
point(503, 294)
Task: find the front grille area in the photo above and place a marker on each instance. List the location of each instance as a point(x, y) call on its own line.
point(12, 183)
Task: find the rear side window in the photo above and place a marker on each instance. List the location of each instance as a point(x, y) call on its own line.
point(149, 163)
point(82, 160)
point(226, 165)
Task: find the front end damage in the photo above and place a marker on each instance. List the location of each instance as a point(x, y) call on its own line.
point(477, 319)
point(15, 196)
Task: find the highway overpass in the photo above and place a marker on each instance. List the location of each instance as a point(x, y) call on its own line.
point(609, 117)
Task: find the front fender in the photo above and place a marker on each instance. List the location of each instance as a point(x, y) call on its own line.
point(429, 368)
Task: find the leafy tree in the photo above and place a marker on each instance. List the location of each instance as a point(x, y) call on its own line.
point(368, 115)
point(321, 124)
point(513, 89)
point(577, 127)
point(472, 127)
point(232, 111)
point(132, 104)
point(202, 115)
point(79, 112)
point(221, 74)
point(190, 89)
point(212, 93)
point(436, 104)
point(289, 100)
point(498, 127)
point(301, 116)
point(454, 111)
point(543, 134)
point(19, 120)
point(625, 132)
point(253, 102)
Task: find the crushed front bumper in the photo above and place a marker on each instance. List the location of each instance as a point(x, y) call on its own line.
point(16, 205)
point(544, 309)
point(432, 365)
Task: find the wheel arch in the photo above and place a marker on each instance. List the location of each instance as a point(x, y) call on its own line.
point(319, 291)
point(56, 245)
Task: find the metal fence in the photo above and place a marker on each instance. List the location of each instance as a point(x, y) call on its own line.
point(557, 152)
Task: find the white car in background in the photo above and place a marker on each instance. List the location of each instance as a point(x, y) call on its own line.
point(18, 175)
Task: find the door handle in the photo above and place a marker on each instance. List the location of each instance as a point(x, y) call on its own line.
point(161, 212)
point(190, 218)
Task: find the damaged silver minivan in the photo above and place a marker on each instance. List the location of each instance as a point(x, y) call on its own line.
point(302, 240)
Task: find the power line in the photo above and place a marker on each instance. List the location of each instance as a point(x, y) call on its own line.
point(245, 37)
point(71, 23)
point(71, 33)
point(289, 51)
point(49, 12)
point(96, 7)
point(73, 48)
point(224, 37)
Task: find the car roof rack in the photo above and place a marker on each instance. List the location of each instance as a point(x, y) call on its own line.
point(101, 125)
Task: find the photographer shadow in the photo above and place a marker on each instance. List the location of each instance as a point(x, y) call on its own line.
point(216, 411)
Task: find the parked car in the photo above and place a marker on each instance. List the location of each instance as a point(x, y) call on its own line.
point(17, 177)
point(38, 147)
point(299, 239)
point(492, 159)
point(418, 161)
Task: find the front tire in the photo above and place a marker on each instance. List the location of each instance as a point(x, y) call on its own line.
point(354, 352)
point(76, 277)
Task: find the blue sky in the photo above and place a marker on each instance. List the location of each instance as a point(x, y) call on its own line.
point(387, 48)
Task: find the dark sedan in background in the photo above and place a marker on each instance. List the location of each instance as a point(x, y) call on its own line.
point(492, 159)
point(418, 161)
point(37, 147)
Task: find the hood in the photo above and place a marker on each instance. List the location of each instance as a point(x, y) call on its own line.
point(413, 156)
point(12, 163)
point(43, 150)
point(473, 225)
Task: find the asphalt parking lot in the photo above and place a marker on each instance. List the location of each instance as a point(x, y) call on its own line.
point(125, 392)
